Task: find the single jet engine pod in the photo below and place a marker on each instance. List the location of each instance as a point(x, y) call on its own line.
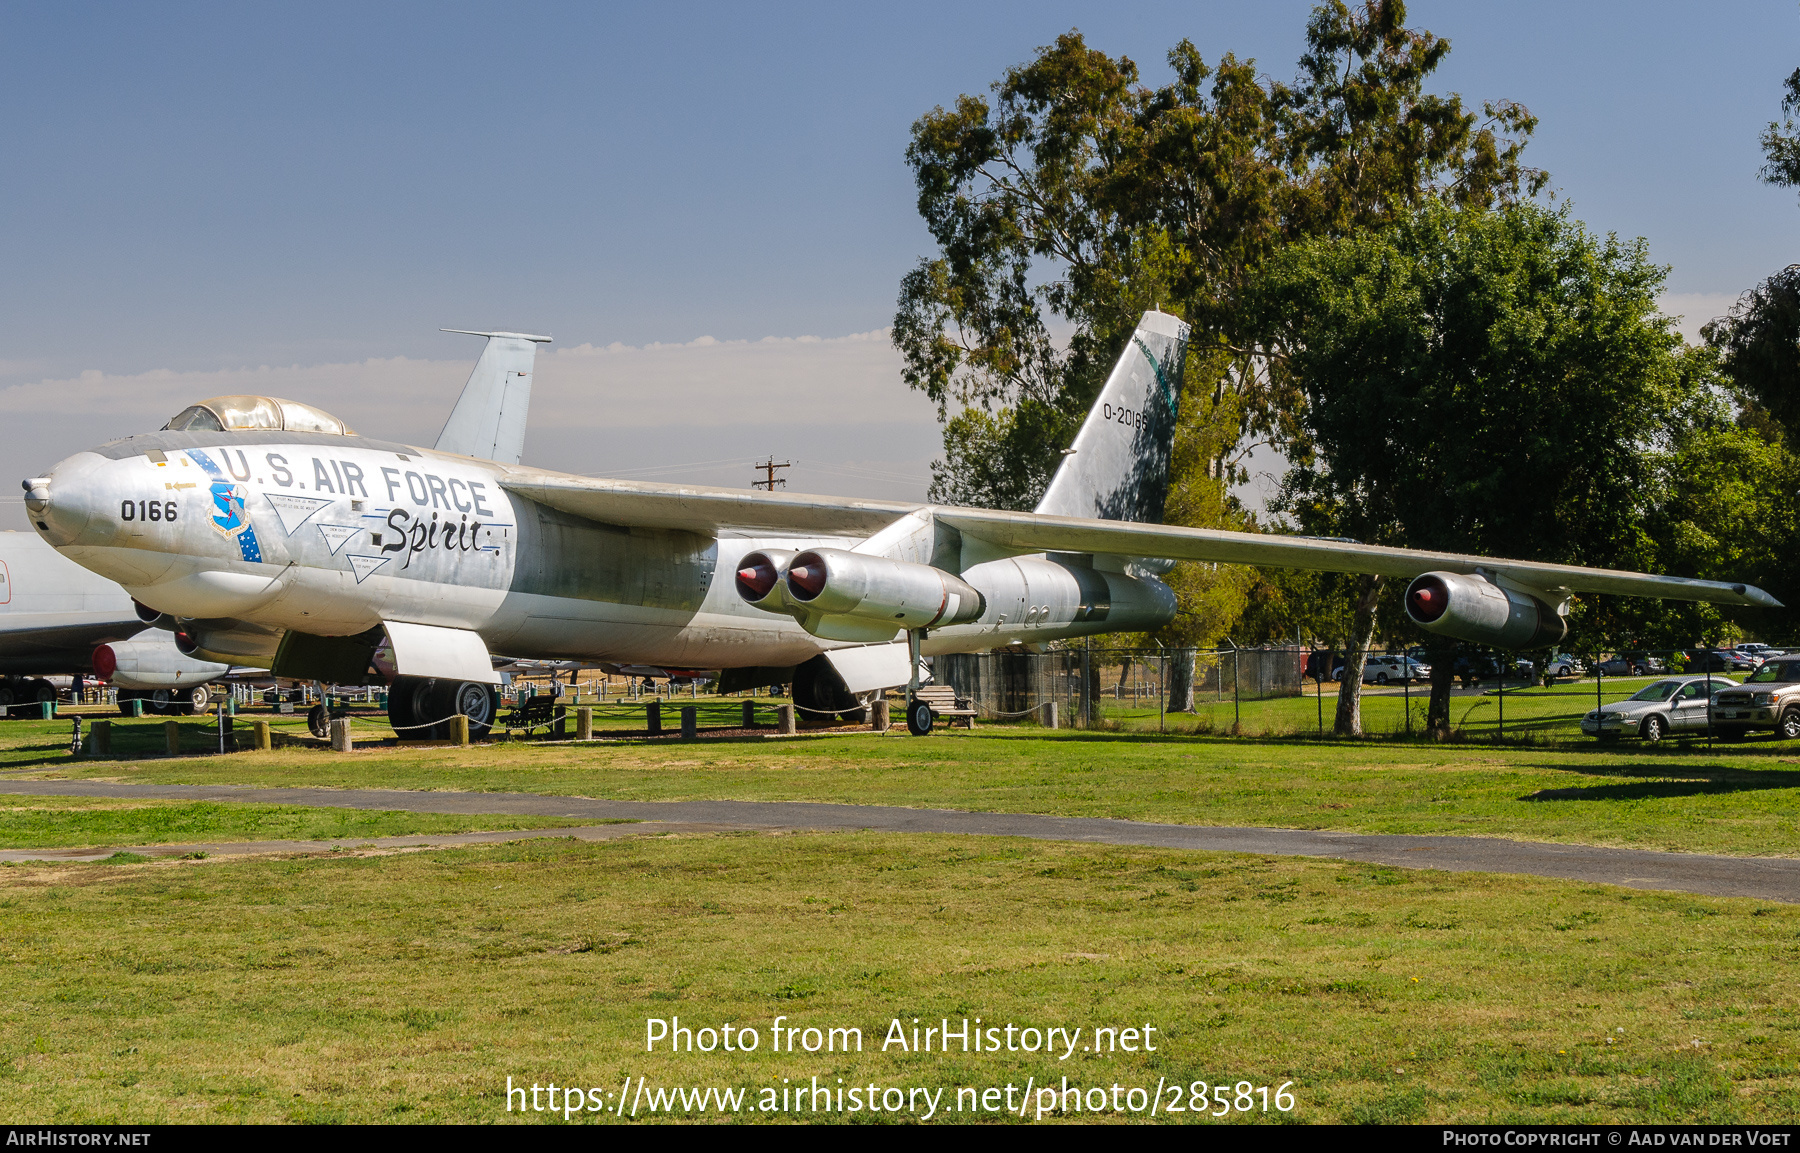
point(759, 578)
point(833, 582)
point(1472, 609)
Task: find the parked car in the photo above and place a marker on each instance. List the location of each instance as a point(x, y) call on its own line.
point(1380, 670)
point(1564, 665)
point(1632, 665)
point(1721, 661)
point(1473, 667)
point(1770, 699)
point(1674, 705)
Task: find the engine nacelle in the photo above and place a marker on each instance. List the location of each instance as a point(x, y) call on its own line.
point(759, 579)
point(153, 618)
point(832, 582)
point(1480, 612)
point(151, 662)
point(242, 645)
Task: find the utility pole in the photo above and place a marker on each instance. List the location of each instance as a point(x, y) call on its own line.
point(767, 468)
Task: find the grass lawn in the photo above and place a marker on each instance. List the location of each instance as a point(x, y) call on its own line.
point(1740, 799)
point(409, 987)
point(67, 822)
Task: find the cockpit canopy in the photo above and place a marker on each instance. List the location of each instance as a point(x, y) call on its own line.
point(255, 414)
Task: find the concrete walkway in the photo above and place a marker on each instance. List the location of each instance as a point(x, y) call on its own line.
point(1765, 878)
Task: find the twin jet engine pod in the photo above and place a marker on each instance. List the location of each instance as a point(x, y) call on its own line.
point(1472, 609)
point(759, 578)
point(833, 582)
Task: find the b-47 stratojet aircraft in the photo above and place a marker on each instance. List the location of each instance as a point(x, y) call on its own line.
point(267, 532)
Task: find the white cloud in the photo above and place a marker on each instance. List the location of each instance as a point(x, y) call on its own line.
point(1694, 309)
point(836, 405)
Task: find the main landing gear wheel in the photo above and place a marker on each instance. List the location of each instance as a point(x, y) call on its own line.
point(317, 723)
point(918, 718)
point(474, 700)
point(196, 700)
point(414, 701)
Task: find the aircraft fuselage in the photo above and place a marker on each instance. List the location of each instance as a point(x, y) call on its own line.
point(333, 535)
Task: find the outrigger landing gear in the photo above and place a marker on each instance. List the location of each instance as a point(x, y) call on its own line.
point(918, 712)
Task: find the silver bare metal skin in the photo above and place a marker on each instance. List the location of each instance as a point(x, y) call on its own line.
point(333, 534)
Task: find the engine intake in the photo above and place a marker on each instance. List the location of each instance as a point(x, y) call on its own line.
point(899, 594)
point(1472, 609)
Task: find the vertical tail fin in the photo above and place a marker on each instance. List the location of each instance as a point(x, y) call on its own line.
point(1118, 468)
point(489, 418)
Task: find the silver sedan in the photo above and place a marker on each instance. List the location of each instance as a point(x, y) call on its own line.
point(1675, 705)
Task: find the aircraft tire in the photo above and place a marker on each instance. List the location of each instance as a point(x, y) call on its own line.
point(406, 702)
point(479, 702)
point(41, 691)
point(919, 719)
point(317, 723)
point(196, 700)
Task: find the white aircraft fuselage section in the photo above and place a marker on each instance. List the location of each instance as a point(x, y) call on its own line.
point(334, 535)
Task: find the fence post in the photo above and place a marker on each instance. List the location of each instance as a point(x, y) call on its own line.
point(750, 714)
point(263, 741)
point(1237, 707)
point(584, 723)
point(653, 717)
point(100, 739)
point(879, 715)
point(1049, 714)
point(340, 733)
point(690, 722)
point(172, 737)
point(785, 713)
point(459, 730)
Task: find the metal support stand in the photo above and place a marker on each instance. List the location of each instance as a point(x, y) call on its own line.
point(912, 652)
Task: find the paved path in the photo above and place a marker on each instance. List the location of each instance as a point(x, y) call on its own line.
point(1767, 878)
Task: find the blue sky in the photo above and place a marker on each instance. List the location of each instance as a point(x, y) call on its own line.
point(205, 189)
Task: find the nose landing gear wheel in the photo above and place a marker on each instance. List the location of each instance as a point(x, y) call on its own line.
point(918, 718)
point(317, 723)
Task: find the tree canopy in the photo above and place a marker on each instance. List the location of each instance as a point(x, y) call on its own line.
point(1079, 197)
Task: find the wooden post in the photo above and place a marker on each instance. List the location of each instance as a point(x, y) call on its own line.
point(459, 730)
point(690, 722)
point(785, 712)
point(749, 714)
point(340, 734)
point(100, 739)
point(172, 737)
point(261, 739)
point(653, 717)
point(584, 723)
point(879, 715)
point(1049, 714)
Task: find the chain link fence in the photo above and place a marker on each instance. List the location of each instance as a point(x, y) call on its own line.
point(1295, 690)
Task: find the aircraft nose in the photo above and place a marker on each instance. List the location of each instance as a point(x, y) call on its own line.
point(59, 521)
point(66, 505)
